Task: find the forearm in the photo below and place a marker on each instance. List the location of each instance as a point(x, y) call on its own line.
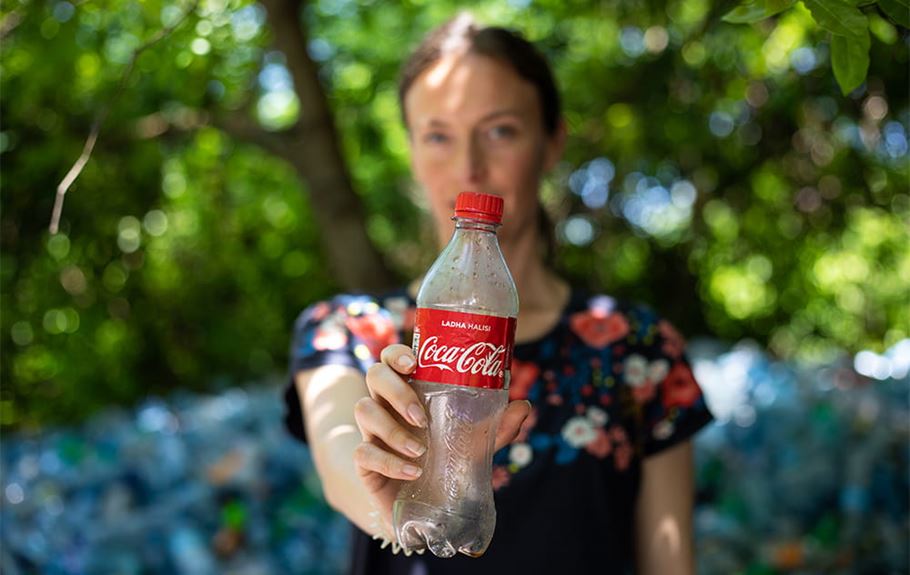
point(342, 488)
point(327, 397)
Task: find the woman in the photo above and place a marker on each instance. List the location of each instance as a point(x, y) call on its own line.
point(594, 468)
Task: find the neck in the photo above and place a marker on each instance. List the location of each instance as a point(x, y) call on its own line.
point(539, 289)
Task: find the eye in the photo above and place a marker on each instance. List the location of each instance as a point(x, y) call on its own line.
point(503, 132)
point(435, 138)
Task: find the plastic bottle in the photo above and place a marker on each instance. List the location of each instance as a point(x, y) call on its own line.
point(465, 329)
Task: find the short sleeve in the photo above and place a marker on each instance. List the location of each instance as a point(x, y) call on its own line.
point(675, 409)
point(349, 330)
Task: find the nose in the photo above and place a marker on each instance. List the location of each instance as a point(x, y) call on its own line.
point(472, 165)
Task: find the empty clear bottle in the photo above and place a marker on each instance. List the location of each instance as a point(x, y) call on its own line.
point(463, 337)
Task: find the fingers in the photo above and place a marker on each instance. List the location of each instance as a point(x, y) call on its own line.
point(370, 458)
point(399, 357)
point(374, 420)
point(386, 383)
point(511, 421)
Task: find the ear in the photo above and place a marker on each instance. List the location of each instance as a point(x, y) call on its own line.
point(556, 145)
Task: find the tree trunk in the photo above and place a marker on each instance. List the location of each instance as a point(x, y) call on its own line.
point(312, 147)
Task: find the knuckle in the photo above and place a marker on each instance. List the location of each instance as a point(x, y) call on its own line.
point(363, 407)
point(361, 454)
point(398, 436)
point(388, 463)
point(393, 348)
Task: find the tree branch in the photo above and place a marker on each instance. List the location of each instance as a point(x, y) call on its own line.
point(89, 145)
point(313, 148)
point(9, 23)
point(242, 127)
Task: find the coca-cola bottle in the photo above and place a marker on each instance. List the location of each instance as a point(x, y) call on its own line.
point(463, 336)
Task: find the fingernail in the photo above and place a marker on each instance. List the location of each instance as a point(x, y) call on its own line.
point(405, 362)
point(415, 412)
point(414, 447)
point(411, 470)
point(530, 405)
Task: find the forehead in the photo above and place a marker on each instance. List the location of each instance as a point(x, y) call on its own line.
point(468, 87)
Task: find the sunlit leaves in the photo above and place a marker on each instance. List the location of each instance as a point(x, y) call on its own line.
point(846, 23)
point(840, 17)
point(704, 159)
point(757, 10)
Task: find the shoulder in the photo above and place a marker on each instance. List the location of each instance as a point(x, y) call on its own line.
point(365, 323)
point(601, 320)
point(354, 305)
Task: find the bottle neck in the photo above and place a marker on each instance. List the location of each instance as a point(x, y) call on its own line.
point(471, 224)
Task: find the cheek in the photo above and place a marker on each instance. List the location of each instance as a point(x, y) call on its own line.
point(517, 175)
point(430, 170)
point(435, 182)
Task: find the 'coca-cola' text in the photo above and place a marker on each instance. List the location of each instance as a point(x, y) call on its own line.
point(463, 348)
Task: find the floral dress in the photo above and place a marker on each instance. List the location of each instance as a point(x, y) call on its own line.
point(609, 385)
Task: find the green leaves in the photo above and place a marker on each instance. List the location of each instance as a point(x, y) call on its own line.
point(758, 10)
point(849, 30)
point(848, 26)
point(850, 60)
point(227, 249)
point(839, 17)
point(897, 10)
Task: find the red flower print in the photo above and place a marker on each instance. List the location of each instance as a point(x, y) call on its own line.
point(674, 344)
point(501, 476)
point(622, 456)
point(402, 312)
point(524, 374)
point(598, 328)
point(622, 451)
point(600, 447)
point(618, 434)
point(375, 330)
point(320, 310)
point(680, 388)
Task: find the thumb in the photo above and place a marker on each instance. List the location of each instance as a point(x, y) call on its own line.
point(510, 424)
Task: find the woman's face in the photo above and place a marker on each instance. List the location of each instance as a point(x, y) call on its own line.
point(476, 126)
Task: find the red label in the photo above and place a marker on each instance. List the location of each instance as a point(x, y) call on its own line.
point(463, 348)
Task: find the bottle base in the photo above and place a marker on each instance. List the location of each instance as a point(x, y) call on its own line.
point(444, 533)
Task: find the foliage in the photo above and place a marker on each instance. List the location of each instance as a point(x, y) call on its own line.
point(846, 24)
point(714, 170)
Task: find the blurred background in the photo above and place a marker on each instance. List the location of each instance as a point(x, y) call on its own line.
point(747, 176)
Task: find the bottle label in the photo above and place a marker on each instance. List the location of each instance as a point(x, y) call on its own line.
point(463, 348)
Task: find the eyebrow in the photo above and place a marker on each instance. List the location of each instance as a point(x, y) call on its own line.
point(435, 122)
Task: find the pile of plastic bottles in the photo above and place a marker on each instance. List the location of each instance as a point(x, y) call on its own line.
point(195, 485)
point(804, 471)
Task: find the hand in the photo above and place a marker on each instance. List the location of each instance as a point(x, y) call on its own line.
point(388, 420)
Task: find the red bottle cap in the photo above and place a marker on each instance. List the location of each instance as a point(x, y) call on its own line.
point(477, 206)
